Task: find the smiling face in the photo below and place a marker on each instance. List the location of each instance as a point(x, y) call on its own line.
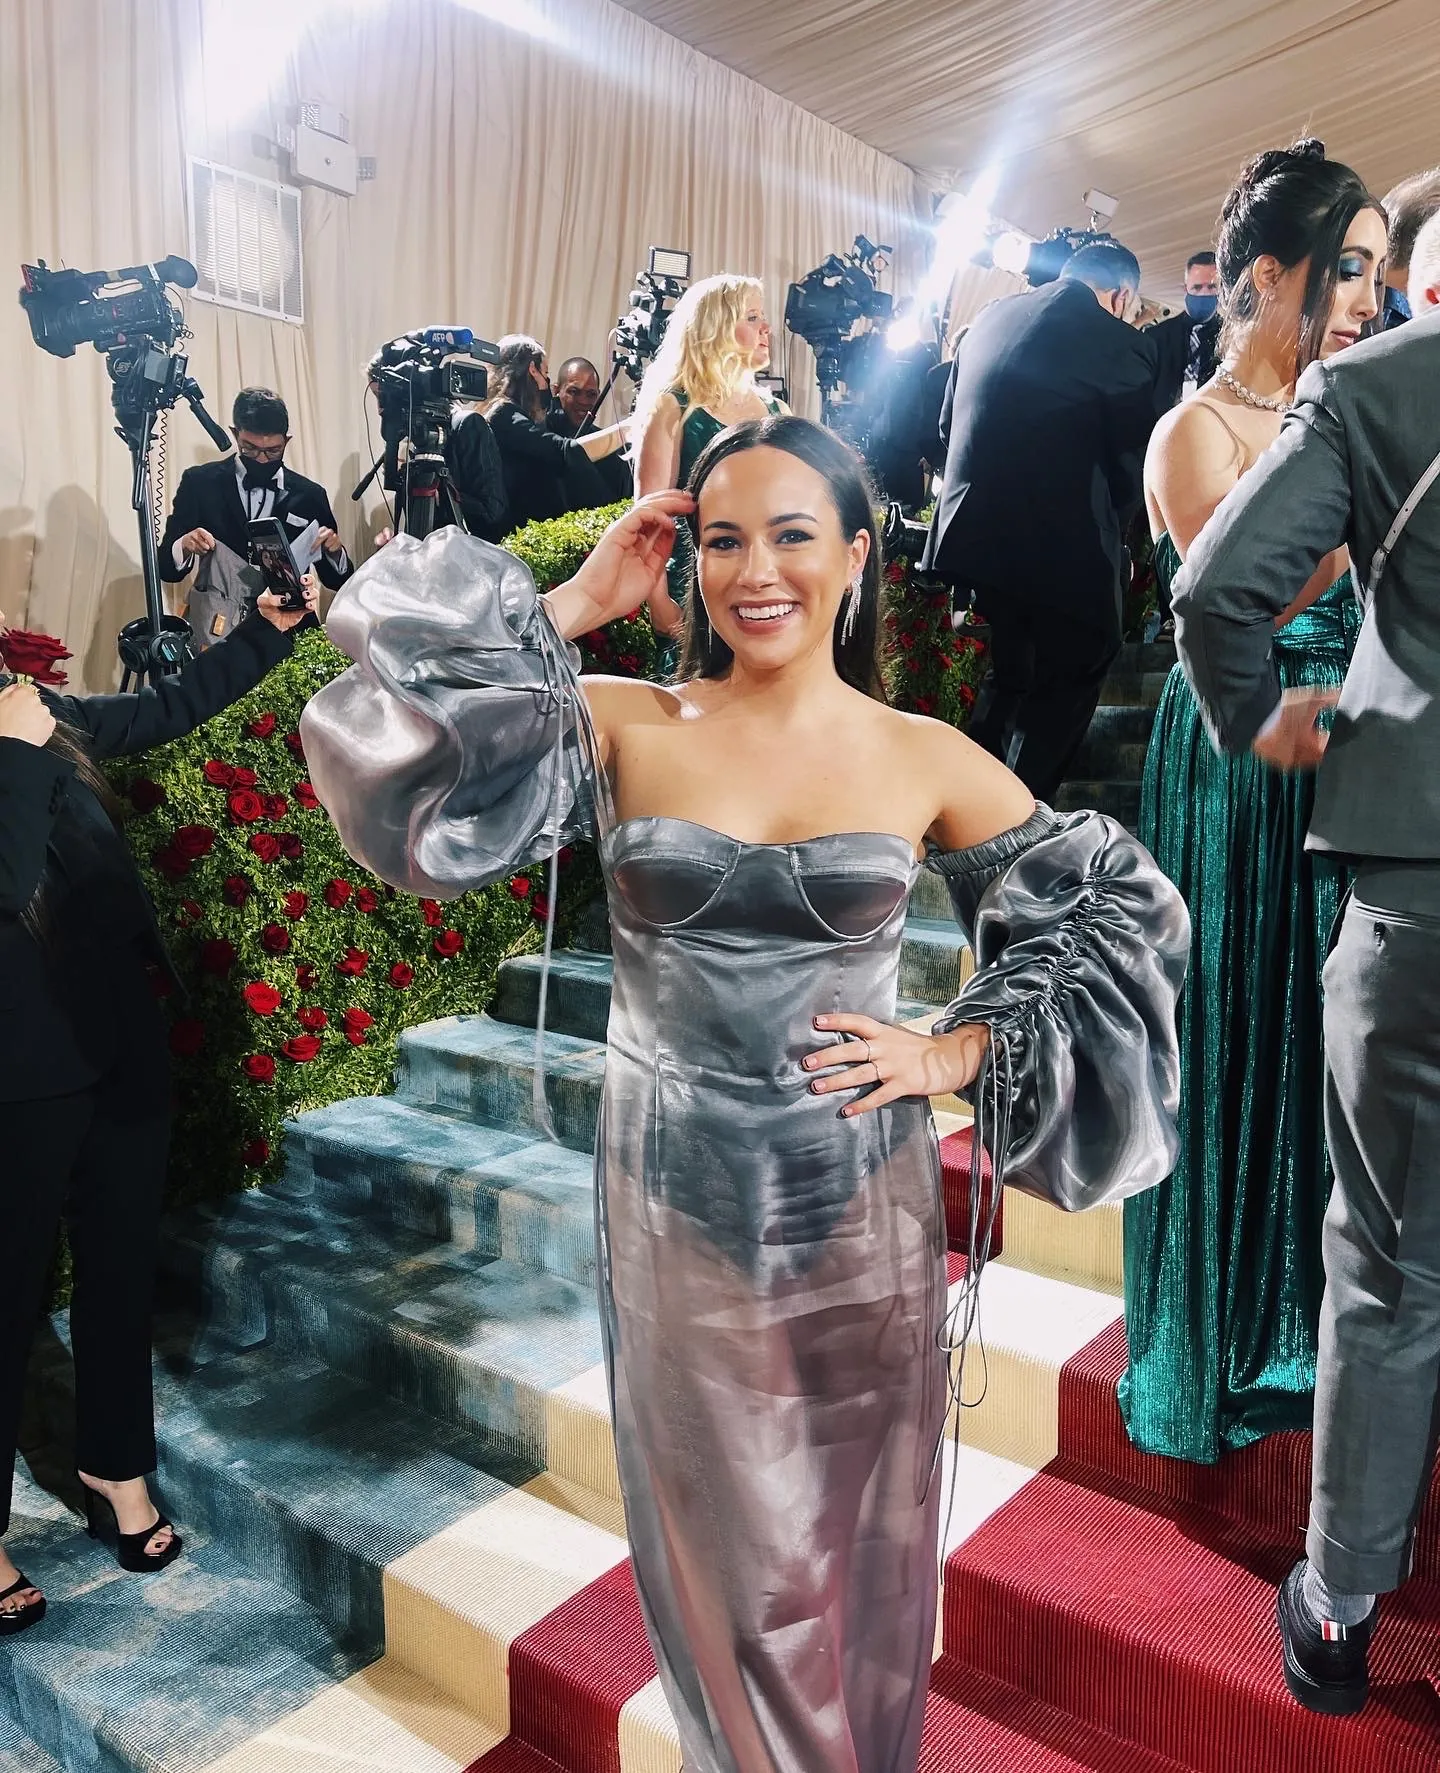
point(774, 559)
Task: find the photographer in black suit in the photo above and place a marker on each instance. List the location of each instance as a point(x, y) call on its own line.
point(1052, 398)
point(84, 1069)
point(217, 501)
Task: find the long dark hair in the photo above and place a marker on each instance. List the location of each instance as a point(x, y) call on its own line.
point(1290, 204)
point(703, 653)
point(510, 377)
point(66, 742)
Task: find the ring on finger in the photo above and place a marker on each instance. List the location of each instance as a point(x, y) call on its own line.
point(869, 1058)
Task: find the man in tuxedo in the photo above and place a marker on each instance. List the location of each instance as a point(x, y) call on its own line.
point(216, 502)
point(1051, 402)
point(572, 412)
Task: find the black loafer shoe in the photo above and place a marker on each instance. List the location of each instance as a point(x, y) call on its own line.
point(1325, 1662)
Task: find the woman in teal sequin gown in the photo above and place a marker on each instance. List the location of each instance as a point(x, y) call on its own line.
point(1223, 1273)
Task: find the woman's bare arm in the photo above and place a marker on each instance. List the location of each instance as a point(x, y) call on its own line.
point(658, 464)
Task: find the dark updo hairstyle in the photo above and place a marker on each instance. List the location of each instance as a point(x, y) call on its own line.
point(1292, 204)
point(703, 653)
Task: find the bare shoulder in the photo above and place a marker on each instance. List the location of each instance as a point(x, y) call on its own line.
point(1194, 434)
point(616, 702)
point(975, 796)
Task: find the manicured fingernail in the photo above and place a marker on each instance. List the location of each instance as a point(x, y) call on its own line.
point(815, 1087)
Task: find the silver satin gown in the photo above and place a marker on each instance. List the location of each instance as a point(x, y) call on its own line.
point(772, 1277)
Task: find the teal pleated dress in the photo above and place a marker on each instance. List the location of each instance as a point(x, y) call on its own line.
point(1223, 1274)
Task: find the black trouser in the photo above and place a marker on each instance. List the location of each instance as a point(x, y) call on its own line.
point(1047, 669)
point(99, 1156)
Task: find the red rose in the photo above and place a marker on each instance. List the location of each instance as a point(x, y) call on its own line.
point(520, 886)
point(236, 889)
point(243, 778)
point(189, 911)
point(295, 743)
point(448, 944)
point(261, 727)
point(265, 845)
point(296, 905)
point(967, 694)
point(367, 900)
point(261, 997)
point(245, 805)
point(540, 905)
point(193, 841)
point(355, 962)
point(187, 1037)
point(171, 863)
point(300, 1049)
point(217, 957)
point(401, 976)
point(218, 774)
point(145, 795)
point(431, 912)
point(291, 847)
point(306, 796)
point(946, 662)
point(923, 705)
point(276, 806)
point(275, 938)
point(337, 893)
point(29, 653)
point(355, 1022)
point(254, 1152)
point(629, 662)
point(312, 1018)
point(306, 977)
point(259, 1068)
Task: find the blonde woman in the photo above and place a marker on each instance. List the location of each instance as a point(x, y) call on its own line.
point(701, 382)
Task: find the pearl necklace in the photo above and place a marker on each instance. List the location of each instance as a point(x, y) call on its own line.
point(1266, 402)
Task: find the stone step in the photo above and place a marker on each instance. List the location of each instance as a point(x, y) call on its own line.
point(1133, 689)
point(483, 1069)
point(313, 1480)
point(1121, 800)
point(161, 1675)
point(474, 1344)
point(579, 991)
point(1119, 723)
point(1110, 760)
point(499, 1194)
point(1146, 655)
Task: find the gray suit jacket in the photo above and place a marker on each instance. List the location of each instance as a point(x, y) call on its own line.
point(1363, 429)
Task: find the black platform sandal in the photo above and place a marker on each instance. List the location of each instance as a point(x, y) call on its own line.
point(129, 1548)
point(20, 1618)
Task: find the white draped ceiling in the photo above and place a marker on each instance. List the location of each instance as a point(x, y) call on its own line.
point(1155, 101)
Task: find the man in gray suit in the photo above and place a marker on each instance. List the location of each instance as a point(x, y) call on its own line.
point(1358, 462)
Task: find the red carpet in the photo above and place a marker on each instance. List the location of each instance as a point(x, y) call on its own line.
point(955, 1182)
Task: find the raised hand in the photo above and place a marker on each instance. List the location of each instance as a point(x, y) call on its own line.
point(269, 605)
point(625, 568)
point(23, 715)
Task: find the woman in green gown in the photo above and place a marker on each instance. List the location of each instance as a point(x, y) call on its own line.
point(1223, 1274)
point(701, 382)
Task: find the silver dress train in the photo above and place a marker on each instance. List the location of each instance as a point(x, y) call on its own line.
point(772, 1277)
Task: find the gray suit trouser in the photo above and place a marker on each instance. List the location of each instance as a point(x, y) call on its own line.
point(1378, 1375)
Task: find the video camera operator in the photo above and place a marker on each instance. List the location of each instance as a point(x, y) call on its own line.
point(572, 413)
point(84, 1067)
point(1051, 402)
point(535, 460)
point(216, 502)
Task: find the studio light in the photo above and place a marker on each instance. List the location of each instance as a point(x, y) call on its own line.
point(963, 221)
point(1011, 252)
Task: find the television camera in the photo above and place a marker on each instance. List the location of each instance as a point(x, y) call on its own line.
point(838, 310)
point(652, 301)
point(132, 319)
point(418, 379)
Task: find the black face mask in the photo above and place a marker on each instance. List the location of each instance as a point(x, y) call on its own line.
point(259, 474)
point(1200, 307)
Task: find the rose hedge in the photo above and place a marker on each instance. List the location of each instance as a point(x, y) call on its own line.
point(299, 969)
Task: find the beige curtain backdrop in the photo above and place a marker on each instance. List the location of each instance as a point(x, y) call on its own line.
point(1157, 102)
point(529, 152)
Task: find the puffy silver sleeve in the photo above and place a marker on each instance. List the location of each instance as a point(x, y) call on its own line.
point(454, 750)
point(1081, 945)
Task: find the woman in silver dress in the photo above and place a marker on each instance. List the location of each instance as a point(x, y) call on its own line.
point(772, 1271)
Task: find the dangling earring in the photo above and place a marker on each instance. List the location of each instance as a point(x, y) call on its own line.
point(852, 609)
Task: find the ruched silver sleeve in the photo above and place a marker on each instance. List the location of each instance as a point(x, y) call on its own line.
point(1081, 945)
point(454, 750)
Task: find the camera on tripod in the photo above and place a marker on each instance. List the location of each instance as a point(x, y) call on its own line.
point(836, 309)
point(418, 380)
point(131, 317)
point(652, 301)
